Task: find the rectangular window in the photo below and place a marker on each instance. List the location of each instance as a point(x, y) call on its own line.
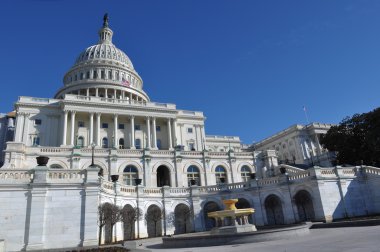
point(80, 124)
point(137, 127)
point(36, 141)
point(158, 128)
point(37, 122)
point(88, 75)
point(191, 147)
point(95, 74)
point(103, 74)
point(189, 130)
point(81, 76)
point(104, 125)
point(110, 75)
point(121, 126)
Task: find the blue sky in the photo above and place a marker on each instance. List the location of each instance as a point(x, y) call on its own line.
point(249, 65)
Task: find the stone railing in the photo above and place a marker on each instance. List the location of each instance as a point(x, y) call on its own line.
point(73, 97)
point(300, 175)
point(15, 176)
point(268, 181)
point(152, 191)
point(372, 170)
point(291, 169)
point(65, 176)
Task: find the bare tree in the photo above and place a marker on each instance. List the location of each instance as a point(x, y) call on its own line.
point(102, 218)
point(154, 215)
point(129, 216)
point(113, 216)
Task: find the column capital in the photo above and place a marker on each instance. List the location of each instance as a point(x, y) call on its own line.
point(98, 114)
point(91, 113)
point(132, 116)
point(115, 115)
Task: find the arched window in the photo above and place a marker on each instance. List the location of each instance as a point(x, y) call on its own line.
point(159, 144)
point(220, 175)
point(121, 143)
point(138, 143)
point(56, 166)
point(129, 175)
point(80, 142)
point(245, 173)
point(193, 174)
point(105, 142)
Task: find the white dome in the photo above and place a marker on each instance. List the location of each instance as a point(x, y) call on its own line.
point(104, 51)
point(103, 66)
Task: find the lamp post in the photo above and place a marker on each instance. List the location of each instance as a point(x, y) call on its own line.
point(92, 153)
point(138, 182)
point(290, 196)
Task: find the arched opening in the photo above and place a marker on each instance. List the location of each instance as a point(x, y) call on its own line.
point(163, 176)
point(129, 175)
point(182, 219)
point(304, 205)
point(273, 209)
point(80, 142)
point(193, 174)
point(243, 203)
point(129, 217)
point(56, 166)
point(121, 143)
point(105, 142)
point(245, 173)
point(210, 207)
point(220, 175)
point(153, 219)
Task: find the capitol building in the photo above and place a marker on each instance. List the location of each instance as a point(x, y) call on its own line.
point(107, 142)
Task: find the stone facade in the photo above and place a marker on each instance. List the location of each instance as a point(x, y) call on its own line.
point(299, 145)
point(101, 123)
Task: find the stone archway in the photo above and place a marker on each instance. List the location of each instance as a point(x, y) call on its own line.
point(129, 217)
point(153, 219)
point(273, 209)
point(243, 203)
point(182, 219)
point(163, 176)
point(304, 205)
point(210, 206)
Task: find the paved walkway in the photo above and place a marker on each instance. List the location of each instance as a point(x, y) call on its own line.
point(347, 239)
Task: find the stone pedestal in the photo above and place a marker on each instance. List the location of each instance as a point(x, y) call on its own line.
point(234, 229)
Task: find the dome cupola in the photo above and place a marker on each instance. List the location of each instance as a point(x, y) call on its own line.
point(103, 70)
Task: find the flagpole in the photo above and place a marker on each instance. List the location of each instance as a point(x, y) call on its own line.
point(307, 118)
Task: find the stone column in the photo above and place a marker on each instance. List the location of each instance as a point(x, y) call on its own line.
point(88, 92)
point(96, 92)
point(154, 134)
point(115, 142)
point(133, 132)
point(114, 94)
point(64, 133)
point(148, 132)
point(91, 138)
point(72, 127)
point(98, 129)
point(105, 93)
point(19, 126)
point(196, 138)
point(170, 141)
point(26, 129)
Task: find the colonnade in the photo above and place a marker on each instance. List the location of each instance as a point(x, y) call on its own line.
point(95, 138)
point(109, 93)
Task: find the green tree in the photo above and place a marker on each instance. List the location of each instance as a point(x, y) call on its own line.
point(356, 138)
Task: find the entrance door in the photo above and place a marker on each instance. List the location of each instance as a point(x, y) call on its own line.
point(163, 176)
